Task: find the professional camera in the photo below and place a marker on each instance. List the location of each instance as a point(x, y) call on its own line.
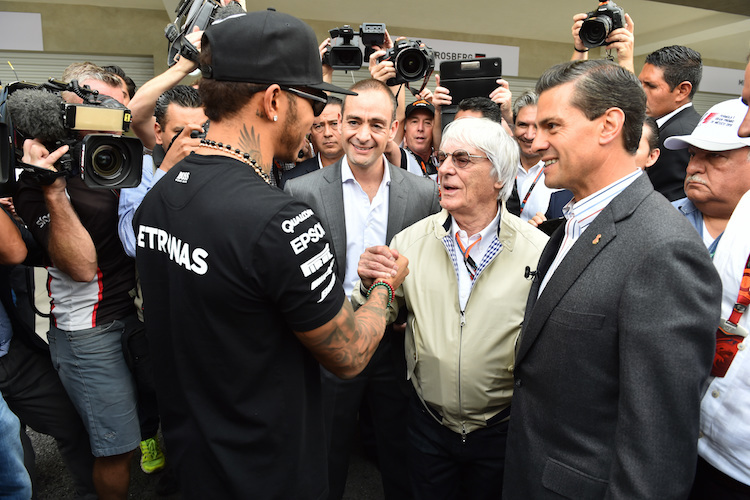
point(103, 160)
point(372, 35)
point(193, 14)
point(412, 60)
point(600, 23)
point(344, 53)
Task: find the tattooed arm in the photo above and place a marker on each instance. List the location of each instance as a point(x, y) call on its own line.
point(345, 344)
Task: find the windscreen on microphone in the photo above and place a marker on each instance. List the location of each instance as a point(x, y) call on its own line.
point(229, 10)
point(37, 113)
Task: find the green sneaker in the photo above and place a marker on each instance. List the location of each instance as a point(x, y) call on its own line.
point(152, 458)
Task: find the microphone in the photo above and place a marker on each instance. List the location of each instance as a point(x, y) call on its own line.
point(233, 8)
point(528, 273)
point(37, 113)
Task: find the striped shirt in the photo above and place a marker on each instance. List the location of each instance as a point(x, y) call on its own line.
point(581, 214)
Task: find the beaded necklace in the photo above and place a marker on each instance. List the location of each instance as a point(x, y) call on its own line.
point(240, 155)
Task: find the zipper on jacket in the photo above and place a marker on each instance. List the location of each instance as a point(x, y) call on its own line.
point(460, 396)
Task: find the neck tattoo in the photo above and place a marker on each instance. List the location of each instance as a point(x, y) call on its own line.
point(240, 155)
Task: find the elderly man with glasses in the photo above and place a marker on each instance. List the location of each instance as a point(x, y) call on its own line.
point(465, 298)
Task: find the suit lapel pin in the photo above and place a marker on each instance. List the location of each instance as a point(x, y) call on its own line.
point(596, 240)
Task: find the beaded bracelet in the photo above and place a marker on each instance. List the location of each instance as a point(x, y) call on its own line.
point(391, 293)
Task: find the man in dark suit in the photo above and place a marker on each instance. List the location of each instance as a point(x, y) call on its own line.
point(618, 336)
point(670, 78)
point(363, 201)
point(325, 136)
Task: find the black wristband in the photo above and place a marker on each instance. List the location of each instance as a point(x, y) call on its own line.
point(580, 51)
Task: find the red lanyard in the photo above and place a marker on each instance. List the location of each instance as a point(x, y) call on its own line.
point(471, 266)
point(743, 297)
point(528, 193)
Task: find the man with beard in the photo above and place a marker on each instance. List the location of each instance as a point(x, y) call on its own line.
point(239, 278)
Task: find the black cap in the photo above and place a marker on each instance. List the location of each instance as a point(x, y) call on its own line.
point(265, 47)
point(420, 104)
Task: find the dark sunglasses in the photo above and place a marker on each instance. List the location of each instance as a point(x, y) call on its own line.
point(461, 158)
point(318, 101)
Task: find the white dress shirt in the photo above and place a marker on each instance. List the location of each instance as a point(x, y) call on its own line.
point(725, 409)
point(366, 222)
point(476, 253)
point(581, 214)
point(540, 194)
point(664, 119)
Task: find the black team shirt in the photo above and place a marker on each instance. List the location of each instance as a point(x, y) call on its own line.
point(229, 268)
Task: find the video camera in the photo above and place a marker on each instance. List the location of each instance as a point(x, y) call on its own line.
point(344, 53)
point(193, 14)
point(600, 23)
point(103, 160)
point(412, 60)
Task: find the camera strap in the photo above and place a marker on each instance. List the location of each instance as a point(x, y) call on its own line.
point(424, 84)
point(40, 175)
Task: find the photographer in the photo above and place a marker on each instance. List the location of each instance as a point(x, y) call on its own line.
point(415, 122)
point(89, 282)
point(621, 40)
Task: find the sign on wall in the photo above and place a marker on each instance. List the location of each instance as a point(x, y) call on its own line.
point(722, 80)
point(21, 31)
point(450, 50)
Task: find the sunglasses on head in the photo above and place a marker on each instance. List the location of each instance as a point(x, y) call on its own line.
point(461, 158)
point(318, 101)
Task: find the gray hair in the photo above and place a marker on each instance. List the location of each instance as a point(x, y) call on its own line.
point(490, 138)
point(528, 98)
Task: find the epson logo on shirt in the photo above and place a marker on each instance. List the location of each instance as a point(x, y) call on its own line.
point(288, 225)
point(312, 235)
point(178, 251)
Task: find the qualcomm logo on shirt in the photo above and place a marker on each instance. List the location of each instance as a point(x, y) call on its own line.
point(178, 250)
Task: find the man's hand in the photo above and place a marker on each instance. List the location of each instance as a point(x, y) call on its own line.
point(181, 146)
point(35, 153)
point(442, 96)
point(382, 70)
point(426, 94)
point(324, 47)
point(502, 96)
point(537, 219)
point(183, 63)
point(380, 262)
point(623, 41)
point(69, 245)
point(581, 51)
point(7, 205)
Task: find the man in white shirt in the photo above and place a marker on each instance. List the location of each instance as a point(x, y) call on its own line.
point(718, 206)
point(531, 194)
point(363, 201)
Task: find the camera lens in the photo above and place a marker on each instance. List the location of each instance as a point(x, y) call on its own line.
point(107, 161)
point(595, 30)
point(411, 65)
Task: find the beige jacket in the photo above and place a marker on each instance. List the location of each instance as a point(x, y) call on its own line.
point(461, 362)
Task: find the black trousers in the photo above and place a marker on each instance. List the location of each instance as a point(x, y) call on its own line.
point(33, 391)
point(444, 466)
point(712, 484)
point(384, 388)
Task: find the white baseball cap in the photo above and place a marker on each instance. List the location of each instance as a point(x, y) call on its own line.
point(717, 130)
